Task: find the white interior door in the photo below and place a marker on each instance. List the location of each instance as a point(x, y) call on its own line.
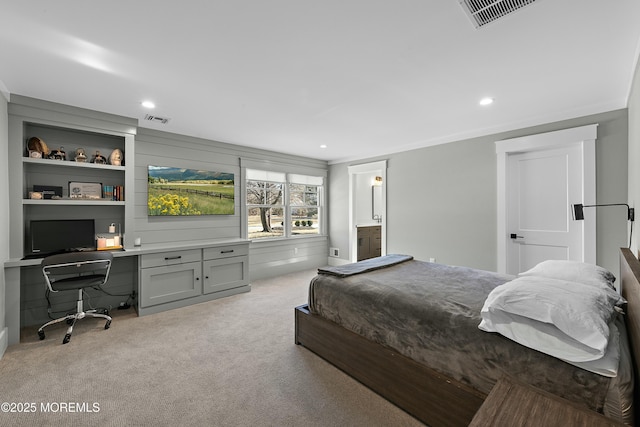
point(540, 177)
point(541, 187)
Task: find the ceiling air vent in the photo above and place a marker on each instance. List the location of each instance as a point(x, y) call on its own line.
point(156, 119)
point(482, 12)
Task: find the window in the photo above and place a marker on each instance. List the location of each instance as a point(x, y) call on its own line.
point(282, 205)
point(304, 193)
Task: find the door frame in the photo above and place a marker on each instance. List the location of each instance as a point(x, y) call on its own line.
point(367, 168)
point(585, 138)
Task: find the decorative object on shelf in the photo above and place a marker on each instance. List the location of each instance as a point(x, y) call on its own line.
point(37, 148)
point(58, 154)
point(48, 191)
point(35, 195)
point(111, 240)
point(99, 159)
point(85, 190)
point(81, 155)
point(116, 157)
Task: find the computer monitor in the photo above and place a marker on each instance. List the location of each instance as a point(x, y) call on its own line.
point(58, 235)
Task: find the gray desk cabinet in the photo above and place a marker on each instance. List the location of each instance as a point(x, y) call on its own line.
point(179, 278)
point(225, 268)
point(170, 276)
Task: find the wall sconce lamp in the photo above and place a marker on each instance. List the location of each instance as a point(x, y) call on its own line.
point(578, 213)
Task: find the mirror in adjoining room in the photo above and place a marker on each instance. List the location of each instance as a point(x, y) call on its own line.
point(376, 202)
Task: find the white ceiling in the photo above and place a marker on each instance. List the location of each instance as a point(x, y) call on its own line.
point(364, 77)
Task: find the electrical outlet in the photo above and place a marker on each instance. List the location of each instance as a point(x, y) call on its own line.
point(334, 252)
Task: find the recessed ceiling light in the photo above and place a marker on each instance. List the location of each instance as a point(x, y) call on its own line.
point(486, 101)
point(148, 104)
point(323, 146)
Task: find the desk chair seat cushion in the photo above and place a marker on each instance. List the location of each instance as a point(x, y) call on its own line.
point(78, 282)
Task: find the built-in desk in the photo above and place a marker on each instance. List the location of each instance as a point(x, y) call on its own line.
point(167, 277)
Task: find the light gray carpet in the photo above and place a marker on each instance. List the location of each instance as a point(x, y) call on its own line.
point(229, 362)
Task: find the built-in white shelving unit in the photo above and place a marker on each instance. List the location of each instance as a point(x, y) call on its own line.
point(67, 128)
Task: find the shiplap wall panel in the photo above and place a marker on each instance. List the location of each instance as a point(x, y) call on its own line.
point(165, 149)
point(160, 149)
point(270, 260)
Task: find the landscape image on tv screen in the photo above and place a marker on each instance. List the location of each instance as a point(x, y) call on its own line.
point(178, 191)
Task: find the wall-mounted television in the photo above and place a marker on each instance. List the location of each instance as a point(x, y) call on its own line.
point(175, 191)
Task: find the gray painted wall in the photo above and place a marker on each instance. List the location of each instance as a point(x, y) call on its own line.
point(442, 200)
point(634, 151)
point(4, 212)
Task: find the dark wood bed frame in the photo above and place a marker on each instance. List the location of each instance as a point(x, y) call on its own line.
point(429, 396)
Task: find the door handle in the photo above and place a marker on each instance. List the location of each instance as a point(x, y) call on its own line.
point(515, 236)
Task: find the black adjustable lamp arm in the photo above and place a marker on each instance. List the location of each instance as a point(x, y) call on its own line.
point(578, 213)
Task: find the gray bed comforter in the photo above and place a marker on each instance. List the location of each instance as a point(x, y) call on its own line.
point(430, 313)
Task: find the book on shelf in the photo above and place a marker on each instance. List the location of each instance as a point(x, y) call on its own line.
point(113, 192)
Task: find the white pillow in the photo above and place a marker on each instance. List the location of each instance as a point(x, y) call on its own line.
point(607, 366)
point(561, 318)
point(573, 271)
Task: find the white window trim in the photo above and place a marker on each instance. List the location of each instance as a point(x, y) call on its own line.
point(290, 171)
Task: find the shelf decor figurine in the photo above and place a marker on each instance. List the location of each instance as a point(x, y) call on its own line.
point(58, 154)
point(99, 159)
point(116, 157)
point(37, 148)
point(81, 156)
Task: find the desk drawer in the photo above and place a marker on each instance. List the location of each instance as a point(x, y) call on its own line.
point(225, 251)
point(170, 258)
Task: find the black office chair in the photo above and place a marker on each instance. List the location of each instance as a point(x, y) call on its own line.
point(76, 271)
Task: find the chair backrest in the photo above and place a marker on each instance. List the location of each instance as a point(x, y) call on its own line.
point(74, 266)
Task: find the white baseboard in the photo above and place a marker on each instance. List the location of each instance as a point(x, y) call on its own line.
point(4, 341)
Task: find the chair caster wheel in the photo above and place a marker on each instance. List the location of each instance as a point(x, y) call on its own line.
point(66, 339)
point(41, 335)
point(69, 321)
point(108, 324)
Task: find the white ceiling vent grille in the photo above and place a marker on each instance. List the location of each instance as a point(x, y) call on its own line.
point(482, 12)
point(156, 119)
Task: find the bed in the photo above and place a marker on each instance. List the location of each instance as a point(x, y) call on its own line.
point(437, 375)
